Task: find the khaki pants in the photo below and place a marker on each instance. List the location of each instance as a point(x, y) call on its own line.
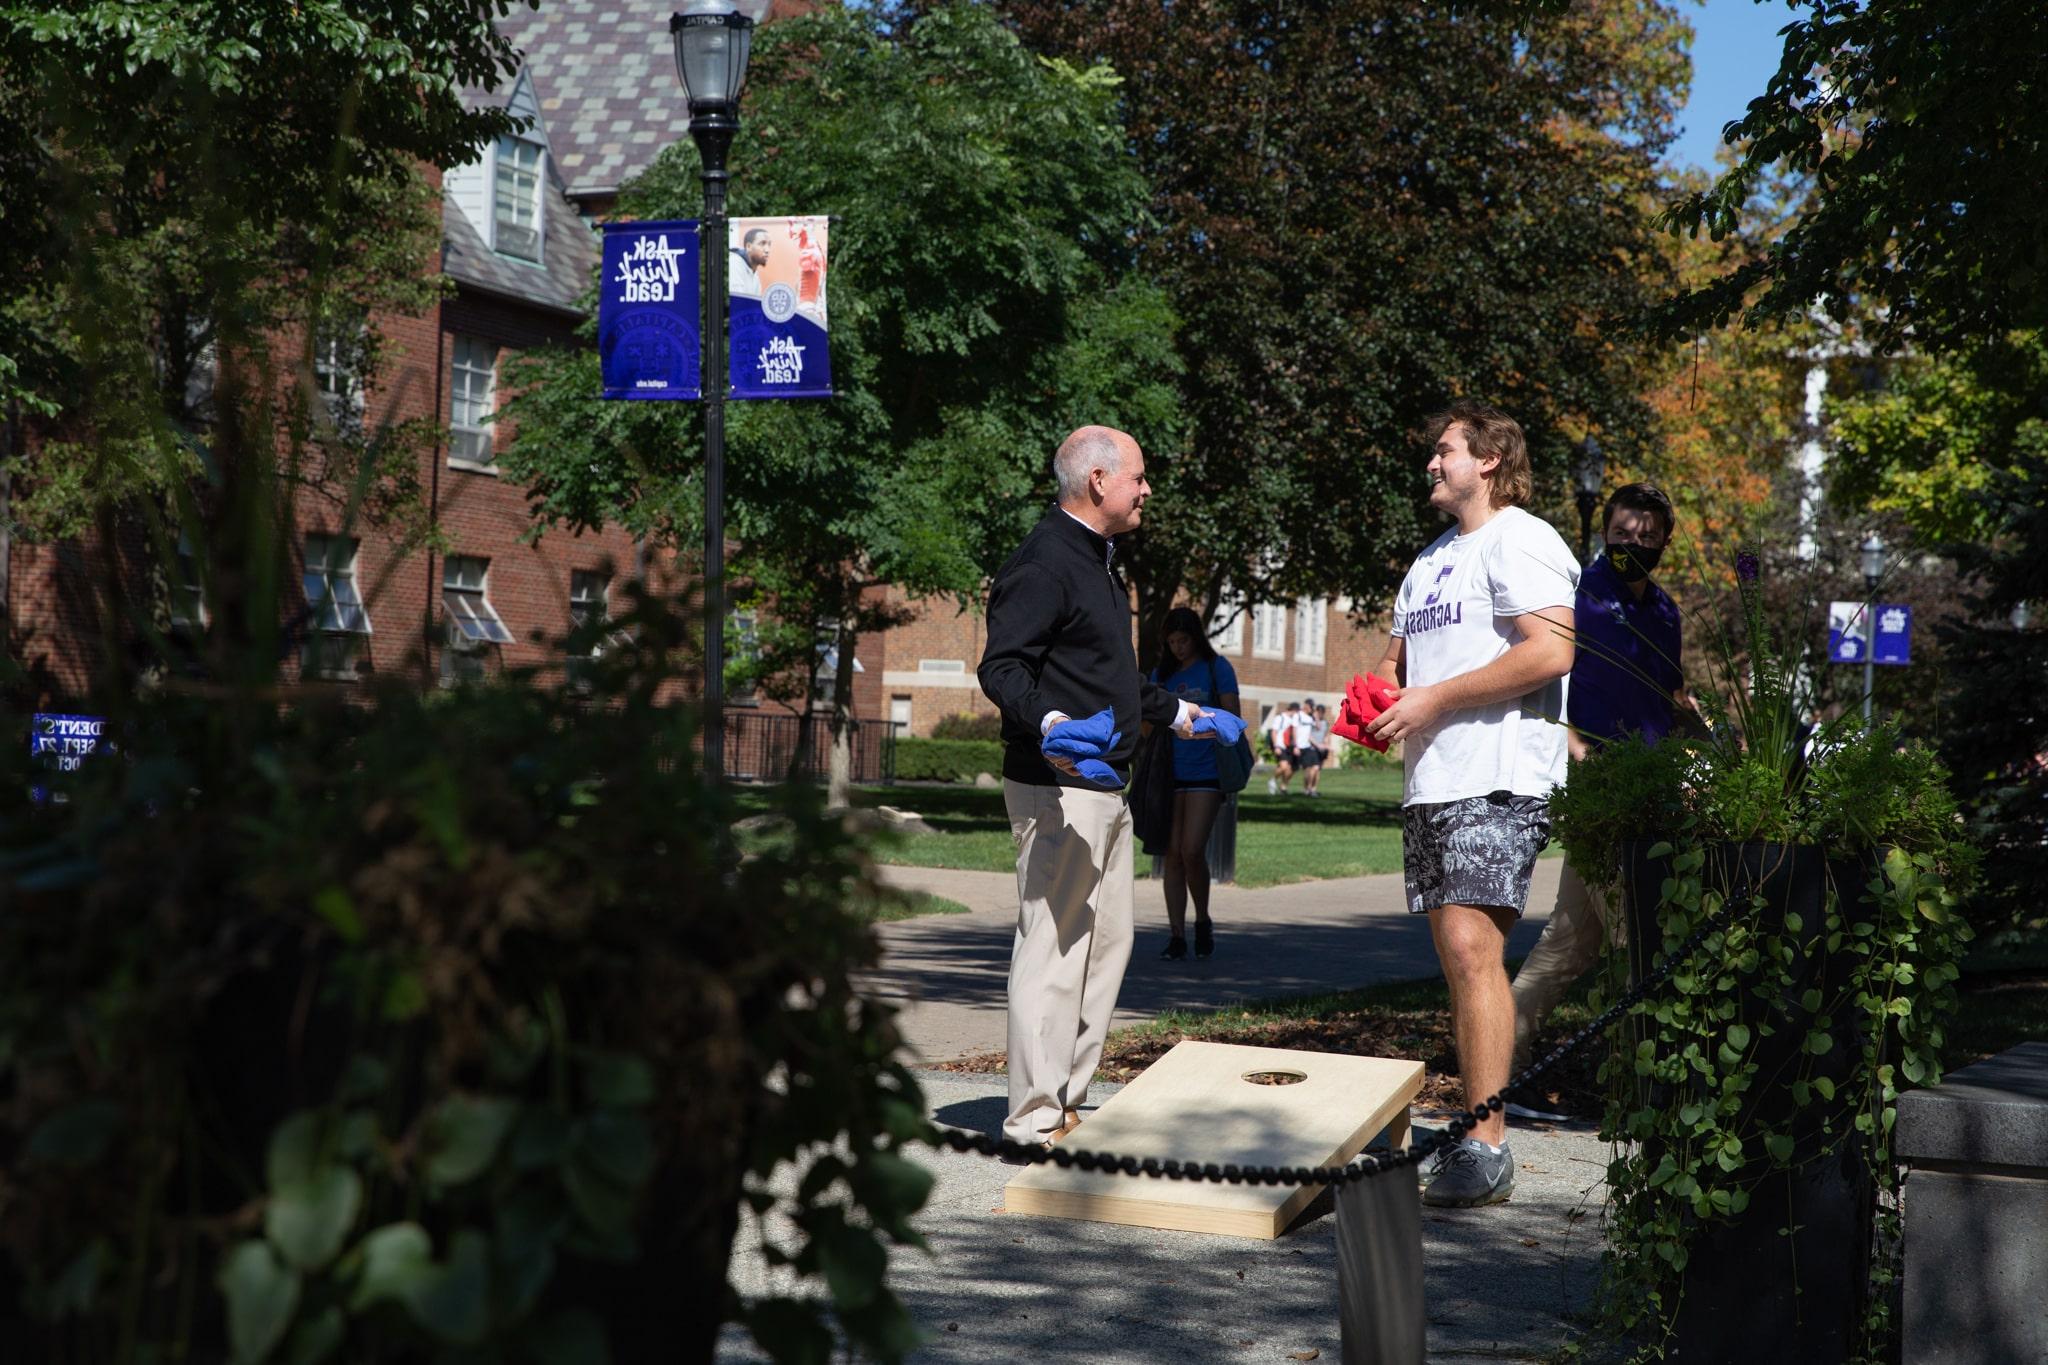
point(1571, 943)
point(1073, 943)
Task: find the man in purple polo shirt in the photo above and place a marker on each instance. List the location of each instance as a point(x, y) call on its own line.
point(1625, 680)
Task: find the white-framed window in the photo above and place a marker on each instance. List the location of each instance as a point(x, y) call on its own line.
point(204, 371)
point(589, 608)
point(472, 404)
point(330, 583)
point(942, 665)
point(339, 621)
point(1226, 627)
point(900, 711)
point(743, 649)
point(473, 624)
point(516, 198)
point(337, 358)
point(1311, 627)
point(1269, 631)
point(825, 677)
point(188, 597)
point(465, 592)
point(589, 599)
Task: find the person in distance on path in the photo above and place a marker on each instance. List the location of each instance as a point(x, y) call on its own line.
point(1481, 650)
point(1059, 647)
point(1190, 668)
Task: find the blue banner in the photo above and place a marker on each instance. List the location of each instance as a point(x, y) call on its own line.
point(1877, 633)
point(59, 742)
point(649, 312)
point(775, 283)
point(1894, 634)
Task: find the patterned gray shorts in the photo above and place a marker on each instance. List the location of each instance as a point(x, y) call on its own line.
point(1478, 851)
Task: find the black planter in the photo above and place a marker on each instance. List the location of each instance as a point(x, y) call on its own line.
point(1749, 1292)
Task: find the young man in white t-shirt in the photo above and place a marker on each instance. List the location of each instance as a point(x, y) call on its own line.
point(1482, 646)
point(1279, 728)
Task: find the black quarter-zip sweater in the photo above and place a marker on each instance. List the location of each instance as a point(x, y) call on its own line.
point(1059, 639)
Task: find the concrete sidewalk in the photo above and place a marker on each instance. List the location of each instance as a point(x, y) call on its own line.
point(1503, 1283)
point(950, 972)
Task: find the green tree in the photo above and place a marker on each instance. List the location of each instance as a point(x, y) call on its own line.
point(1914, 124)
point(1953, 449)
point(1359, 212)
point(190, 195)
point(981, 306)
point(1936, 446)
point(1918, 123)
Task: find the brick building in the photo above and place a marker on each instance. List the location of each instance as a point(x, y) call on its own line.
point(1310, 649)
point(518, 244)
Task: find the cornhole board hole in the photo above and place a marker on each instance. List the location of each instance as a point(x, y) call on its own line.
point(1196, 1105)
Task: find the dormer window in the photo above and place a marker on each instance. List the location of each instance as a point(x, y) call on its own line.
point(517, 198)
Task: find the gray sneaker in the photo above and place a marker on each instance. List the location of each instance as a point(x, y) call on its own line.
point(1468, 1175)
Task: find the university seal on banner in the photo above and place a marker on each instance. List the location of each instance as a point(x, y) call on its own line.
point(648, 341)
point(777, 340)
point(645, 350)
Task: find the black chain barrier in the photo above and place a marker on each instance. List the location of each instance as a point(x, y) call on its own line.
point(1367, 1164)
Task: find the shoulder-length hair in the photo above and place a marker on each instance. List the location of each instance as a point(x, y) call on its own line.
point(1491, 434)
point(1182, 619)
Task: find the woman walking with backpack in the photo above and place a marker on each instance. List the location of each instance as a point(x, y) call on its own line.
point(1189, 667)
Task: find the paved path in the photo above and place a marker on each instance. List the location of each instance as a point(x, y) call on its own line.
point(1508, 1283)
point(950, 971)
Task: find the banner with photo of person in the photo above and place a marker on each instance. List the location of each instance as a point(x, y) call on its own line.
point(650, 342)
point(776, 287)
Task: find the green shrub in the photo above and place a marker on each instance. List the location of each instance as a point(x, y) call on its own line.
point(963, 725)
point(946, 760)
point(440, 1027)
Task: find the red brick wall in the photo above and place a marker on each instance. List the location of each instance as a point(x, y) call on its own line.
point(943, 631)
point(54, 616)
point(54, 620)
point(1347, 650)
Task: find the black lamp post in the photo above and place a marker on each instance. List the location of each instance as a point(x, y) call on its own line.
point(1873, 570)
point(712, 39)
point(1588, 469)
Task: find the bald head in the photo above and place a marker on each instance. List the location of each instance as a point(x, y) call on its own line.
point(1081, 454)
point(1101, 476)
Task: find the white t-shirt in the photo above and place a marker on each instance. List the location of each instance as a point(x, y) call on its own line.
point(1455, 611)
point(1276, 725)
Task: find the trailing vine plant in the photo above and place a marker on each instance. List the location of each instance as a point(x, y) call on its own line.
point(1706, 1100)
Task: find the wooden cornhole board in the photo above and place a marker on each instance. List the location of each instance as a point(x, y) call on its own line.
point(1194, 1104)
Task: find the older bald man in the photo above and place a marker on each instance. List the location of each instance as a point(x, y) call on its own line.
point(1059, 646)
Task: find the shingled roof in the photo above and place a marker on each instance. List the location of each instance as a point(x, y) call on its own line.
point(605, 74)
point(572, 252)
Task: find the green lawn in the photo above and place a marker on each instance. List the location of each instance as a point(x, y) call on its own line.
point(918, 903)
point(1352, 829)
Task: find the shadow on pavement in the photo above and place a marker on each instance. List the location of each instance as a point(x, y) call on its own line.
point(967, 964)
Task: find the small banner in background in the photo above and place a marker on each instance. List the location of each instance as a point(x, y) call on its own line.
point(59, 743)
point(1863, 632)
point(649, 312)
point(776, 280)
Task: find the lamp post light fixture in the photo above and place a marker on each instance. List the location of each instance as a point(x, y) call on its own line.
point(1588, 469)
point(1873, 570)
point(712, 41)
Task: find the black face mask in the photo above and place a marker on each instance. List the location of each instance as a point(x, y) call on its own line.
point(1634, 563)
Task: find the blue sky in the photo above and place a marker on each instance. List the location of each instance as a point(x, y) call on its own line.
point(1735, 49)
